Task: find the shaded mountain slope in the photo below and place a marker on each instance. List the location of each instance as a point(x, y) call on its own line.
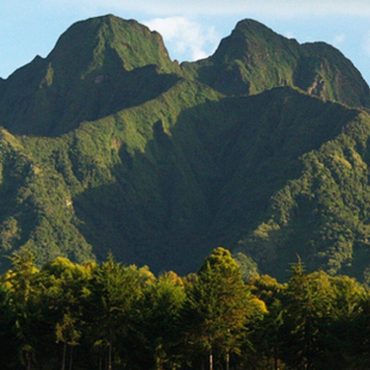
point(322, 214)
point(89, 168)
point(171, 179)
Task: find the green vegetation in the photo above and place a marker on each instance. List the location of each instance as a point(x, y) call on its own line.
point(109, 145)
point(254, 58)
point(98, 67)
point(111, 316)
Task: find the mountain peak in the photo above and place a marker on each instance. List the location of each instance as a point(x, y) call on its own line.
point(254, 58)
point(251, 38)
point(153, 164)
point(249, 24)
point(98, 66)
point(94, 40)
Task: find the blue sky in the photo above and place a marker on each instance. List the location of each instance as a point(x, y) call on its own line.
point(192, 29)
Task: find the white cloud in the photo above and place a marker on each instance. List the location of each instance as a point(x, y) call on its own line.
point(186, 37)
point(339, 39)
point(274, 8)
point(289, 35)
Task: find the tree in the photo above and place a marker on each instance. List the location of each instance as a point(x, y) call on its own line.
point(217, 307)
point(116, 290)
point(24, 296)
point(347, 343)
point(67, 333)
point(158, 321)
point(65, 292)
point(264, 349)
point(8, 337)
point(308, 302)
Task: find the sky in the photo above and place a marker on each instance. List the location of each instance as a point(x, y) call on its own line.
point(192, 29)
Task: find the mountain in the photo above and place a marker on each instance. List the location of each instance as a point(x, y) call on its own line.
point(97, 67)
point(254, 58)
point(108, 145)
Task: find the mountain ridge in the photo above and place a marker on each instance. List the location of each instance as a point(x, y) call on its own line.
point(160, 162)
point(90, 56)
point(254, 58)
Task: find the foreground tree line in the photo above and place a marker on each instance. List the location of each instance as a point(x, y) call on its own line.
point(110, 316)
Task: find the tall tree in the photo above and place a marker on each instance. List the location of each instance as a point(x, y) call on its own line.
point(217, 307)
point(116, 290)
point(347, 343)
point(8, 338)
point(308, 303)
point(158, 321)
point(263, 349)
point(24, 296)
point(65, 292)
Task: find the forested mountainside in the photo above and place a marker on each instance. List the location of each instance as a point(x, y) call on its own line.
point(108, 145)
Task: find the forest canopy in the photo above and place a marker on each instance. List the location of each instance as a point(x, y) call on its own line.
point(66, 315)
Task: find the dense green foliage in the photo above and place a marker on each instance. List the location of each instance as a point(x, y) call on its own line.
point(110, 316)
point(109, 145)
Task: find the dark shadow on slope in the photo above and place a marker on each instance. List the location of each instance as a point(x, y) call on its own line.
point(36, 103)
point(209, 181)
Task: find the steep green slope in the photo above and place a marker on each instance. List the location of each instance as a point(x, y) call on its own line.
point(98, 67)
point(123, 150)
point(254, 58)
point(323, 213)
point(325, 72)
point(163, 183)
point(35, 207)
point(108, 184)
